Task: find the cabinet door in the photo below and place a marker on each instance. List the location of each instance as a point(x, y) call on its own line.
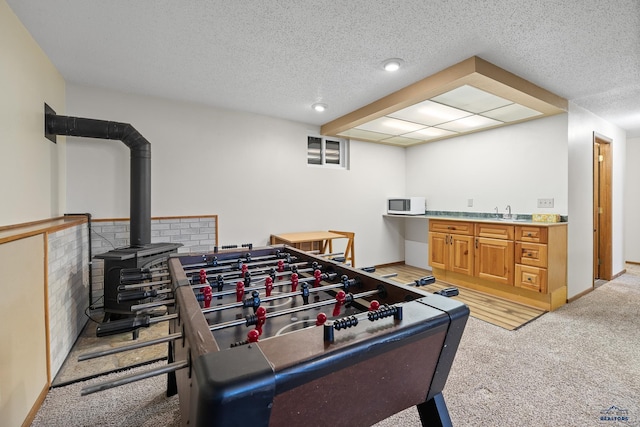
point(494, 260)
point(438, 250)
point(461, 254)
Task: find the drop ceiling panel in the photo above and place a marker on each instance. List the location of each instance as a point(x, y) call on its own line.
point(470, 123)
point(429, 113)
point(512, 113)
point(391, 126)
point(474, 85)
point(471, 99)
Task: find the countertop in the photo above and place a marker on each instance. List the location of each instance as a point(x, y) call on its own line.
point(479, 217)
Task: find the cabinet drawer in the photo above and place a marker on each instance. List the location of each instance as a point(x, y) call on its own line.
point(526, 233)
point(452, 227)
point(534, 254)
point(494, 231)
point(532, 278)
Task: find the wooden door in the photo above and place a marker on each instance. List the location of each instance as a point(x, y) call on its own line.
point(602, 234)
point(494, 260)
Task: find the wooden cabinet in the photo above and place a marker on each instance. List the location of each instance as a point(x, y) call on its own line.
point(534, 244)
point(523, 263)
point(494, 252)
point(451, 250)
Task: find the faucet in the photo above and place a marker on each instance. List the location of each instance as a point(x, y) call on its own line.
point(497, 212)
point(507, 215)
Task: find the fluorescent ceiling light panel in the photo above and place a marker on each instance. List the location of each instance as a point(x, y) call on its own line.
point(470, 123)
point(511, 113)
point(429, 113)
point(356, 133)
point(401, 140)
point(472, 99)
point(390, 126)
point(429, 133)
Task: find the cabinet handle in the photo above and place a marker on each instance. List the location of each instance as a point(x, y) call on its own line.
point(529, 278)
point(530, 254)
point(528, 234)
point(476, 243)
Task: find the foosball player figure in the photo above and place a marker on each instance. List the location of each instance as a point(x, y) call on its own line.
point(268, 286)
point(239, 291)
point(317, 278)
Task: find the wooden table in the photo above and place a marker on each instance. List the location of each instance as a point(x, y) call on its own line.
point(309, 240)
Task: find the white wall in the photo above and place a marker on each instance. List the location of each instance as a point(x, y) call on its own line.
point(582, 124)
point(31, 167)
point(514, 165)
point(632, 201)
point(249, 169)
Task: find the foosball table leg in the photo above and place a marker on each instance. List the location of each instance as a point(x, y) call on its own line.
point(434, 412)
point(172, 385)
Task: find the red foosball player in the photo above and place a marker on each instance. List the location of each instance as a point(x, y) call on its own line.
point(239, 291)
point(320, 319)
point(203, 277)
point(268, 285)
point(341, 298)
point(280, 267)
point(261, 315)
point(208, 296)
point(253, 335)
point(374, 305)
point(317, 278)
point(294, 282)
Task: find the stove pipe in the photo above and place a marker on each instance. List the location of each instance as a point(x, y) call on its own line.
point(140, 194)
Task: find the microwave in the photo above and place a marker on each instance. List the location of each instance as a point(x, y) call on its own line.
point(406, 206)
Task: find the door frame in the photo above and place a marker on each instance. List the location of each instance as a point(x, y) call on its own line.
point(602, 207)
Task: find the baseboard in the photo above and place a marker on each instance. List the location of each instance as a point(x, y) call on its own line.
point(581, 294)
point(615, 276)
point(390, 264)
point(36, 406)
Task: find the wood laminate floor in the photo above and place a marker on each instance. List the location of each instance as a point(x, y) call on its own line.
point(497, 311)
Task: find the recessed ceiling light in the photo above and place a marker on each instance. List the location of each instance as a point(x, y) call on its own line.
point(392, 64)
point(319, 107)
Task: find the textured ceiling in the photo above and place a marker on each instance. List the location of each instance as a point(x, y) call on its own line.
point(277, 57)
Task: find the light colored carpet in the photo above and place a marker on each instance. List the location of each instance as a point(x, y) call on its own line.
point(564, 369)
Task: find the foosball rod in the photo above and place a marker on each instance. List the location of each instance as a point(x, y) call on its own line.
point(130, 324)
point(237, 273)
point(239, 261)
point(159, 303)
point(292, 310)
point(238, 269)
point(260, 278)
point(230, 261)
point(271, 298)
point(138, 295)
point(134, 346)
point(143, 285)
point(171, 367)
point(275, 285)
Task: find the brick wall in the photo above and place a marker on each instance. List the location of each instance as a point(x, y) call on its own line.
point(196, 234)
point(68, 286)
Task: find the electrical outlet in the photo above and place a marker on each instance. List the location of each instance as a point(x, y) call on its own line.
point(470, 203)
point(545, 203)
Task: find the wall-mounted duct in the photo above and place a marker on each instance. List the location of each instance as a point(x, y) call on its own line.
point(140, 195)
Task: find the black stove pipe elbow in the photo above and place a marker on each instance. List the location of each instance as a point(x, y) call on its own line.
point(140, 195)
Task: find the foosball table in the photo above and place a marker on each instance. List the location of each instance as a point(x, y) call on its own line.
point(279, 337)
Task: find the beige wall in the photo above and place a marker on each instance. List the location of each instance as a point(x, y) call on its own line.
point(32, 169)
point(23, 352)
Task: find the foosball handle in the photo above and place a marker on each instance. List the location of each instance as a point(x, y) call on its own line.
point(137, 295)
point(114, 327)
point(448, 292)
